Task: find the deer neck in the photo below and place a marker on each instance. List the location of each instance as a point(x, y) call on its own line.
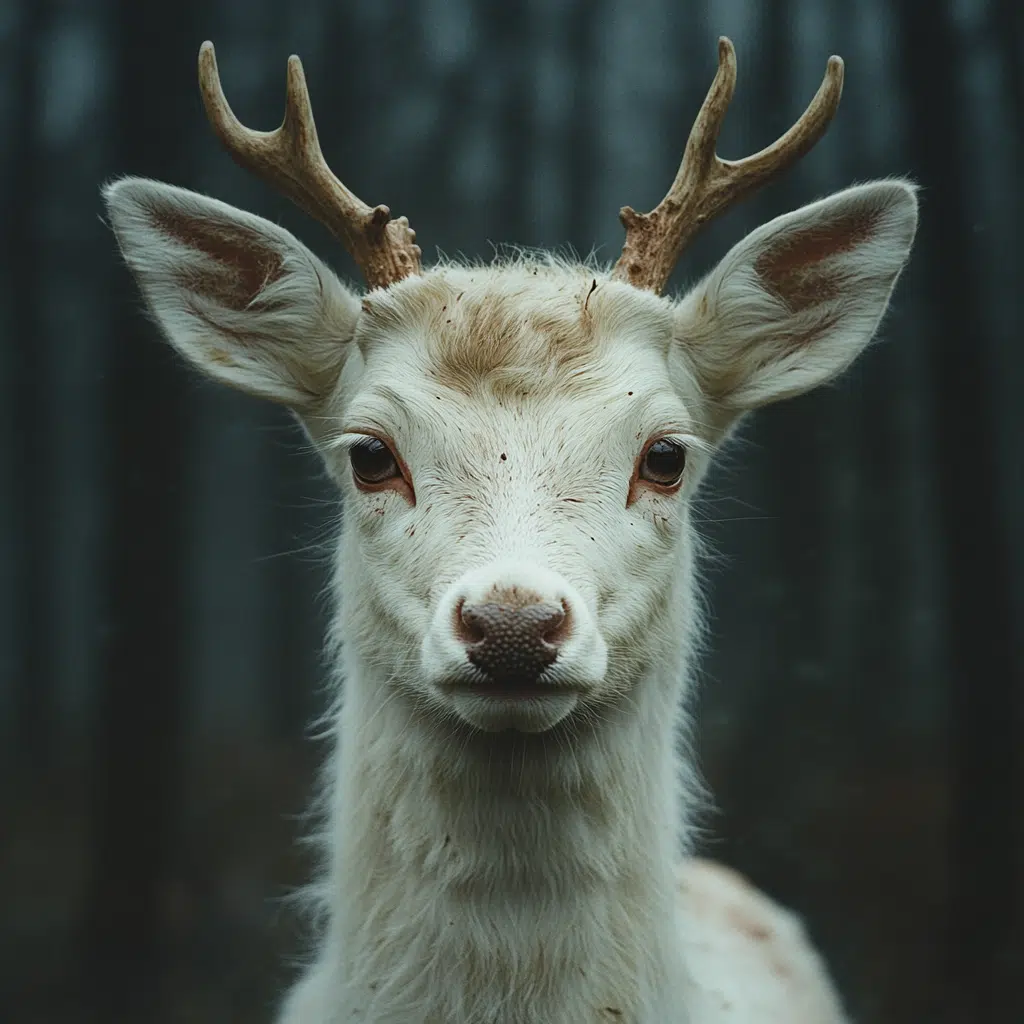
point(527, 877)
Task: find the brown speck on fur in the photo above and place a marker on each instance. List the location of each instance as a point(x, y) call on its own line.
point(749, 927)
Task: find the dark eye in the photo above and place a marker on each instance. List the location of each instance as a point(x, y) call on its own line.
point(664, 462)
point(372, 461)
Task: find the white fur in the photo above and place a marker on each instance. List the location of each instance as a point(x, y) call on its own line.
point(521, 864)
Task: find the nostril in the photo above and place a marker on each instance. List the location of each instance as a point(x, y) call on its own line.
point(557, 630)
point(549, 623)
point(468, 625)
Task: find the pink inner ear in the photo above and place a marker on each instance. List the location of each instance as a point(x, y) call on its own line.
point(797, 266)
point(238, 267)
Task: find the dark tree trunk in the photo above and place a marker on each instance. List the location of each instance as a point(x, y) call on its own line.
point(32, 420)
point(1009, 33)
point(140, 704)
point(985, 681)
point(579, 223)
point(507, 39)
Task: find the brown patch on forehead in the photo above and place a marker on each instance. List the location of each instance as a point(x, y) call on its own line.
point(505, 338)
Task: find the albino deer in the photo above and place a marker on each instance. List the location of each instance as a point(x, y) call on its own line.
point(516, 613)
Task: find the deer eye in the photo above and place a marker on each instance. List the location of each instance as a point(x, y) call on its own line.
point(663, 462)
point(373, 462)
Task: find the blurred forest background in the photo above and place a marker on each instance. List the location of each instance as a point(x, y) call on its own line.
point(161, 540)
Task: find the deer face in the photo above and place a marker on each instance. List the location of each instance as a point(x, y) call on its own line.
point(516, 458)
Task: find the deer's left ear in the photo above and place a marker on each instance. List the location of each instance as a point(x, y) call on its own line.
point(795, 301)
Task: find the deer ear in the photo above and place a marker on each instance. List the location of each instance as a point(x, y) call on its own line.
point(239, 297)
point(794, 303)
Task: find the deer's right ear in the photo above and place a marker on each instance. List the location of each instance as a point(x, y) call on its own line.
point(239, 297)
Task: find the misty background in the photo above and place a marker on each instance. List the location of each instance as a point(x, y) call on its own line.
point(162, 540)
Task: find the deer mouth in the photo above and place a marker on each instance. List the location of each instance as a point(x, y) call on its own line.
point(510, 687)
point(517, 691)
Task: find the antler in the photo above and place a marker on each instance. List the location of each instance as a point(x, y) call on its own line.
point(290, 159)
point(705, 184)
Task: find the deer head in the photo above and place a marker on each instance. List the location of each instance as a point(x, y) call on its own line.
point(517, 444)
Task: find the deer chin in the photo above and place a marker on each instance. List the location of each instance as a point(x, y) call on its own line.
point(532, 711)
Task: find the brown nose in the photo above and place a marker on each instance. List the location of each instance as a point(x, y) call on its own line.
point(511, 644)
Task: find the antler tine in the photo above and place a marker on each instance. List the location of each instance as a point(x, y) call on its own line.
point(290, 159)
point(705, 184)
